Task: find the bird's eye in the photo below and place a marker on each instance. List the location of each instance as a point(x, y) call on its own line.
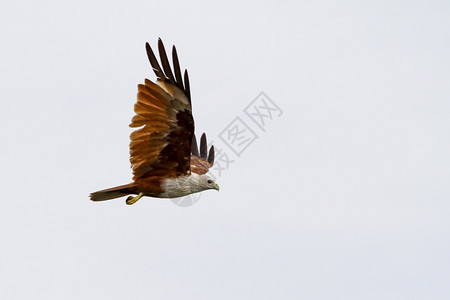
point(209, 181)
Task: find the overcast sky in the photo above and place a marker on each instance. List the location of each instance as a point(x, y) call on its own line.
point(342, 193)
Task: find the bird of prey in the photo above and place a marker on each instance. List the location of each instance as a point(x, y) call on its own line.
point(164, 154)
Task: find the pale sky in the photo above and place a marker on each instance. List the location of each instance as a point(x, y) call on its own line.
point(342, 193)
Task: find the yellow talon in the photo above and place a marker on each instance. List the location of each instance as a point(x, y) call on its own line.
point(131, 200)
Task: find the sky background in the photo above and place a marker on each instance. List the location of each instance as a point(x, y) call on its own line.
point(345, 195)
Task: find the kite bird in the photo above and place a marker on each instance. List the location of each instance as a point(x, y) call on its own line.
point(164, 154)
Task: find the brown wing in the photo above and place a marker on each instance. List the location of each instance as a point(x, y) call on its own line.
point(201, 161)
point(162, 147)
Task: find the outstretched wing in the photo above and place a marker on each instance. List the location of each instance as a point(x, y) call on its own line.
point(201, 161)
point(162, 146)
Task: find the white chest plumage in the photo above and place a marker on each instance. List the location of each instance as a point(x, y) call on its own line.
point(181, 186)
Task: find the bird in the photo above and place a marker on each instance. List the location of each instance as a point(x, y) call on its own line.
point(164, 154)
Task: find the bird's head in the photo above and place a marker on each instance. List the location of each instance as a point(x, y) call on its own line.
point(208, 183)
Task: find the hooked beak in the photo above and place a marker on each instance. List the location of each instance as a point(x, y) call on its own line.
point(216, 186)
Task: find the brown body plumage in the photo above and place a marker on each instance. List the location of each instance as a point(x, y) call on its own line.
point(164, 155)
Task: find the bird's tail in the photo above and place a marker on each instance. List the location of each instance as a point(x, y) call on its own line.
point(115, 192)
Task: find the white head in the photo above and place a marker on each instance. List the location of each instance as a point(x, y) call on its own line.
point(207, 183)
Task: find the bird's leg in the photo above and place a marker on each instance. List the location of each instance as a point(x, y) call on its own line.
point(131, 200)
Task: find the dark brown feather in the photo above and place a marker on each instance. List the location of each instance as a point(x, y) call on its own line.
point(177, 70)
point(165, 73)
point(194, 147)
point(211, 156)
point(200, 164)
point(187, 88)
point(203, 146)
point(154, 62)
point(165, 62)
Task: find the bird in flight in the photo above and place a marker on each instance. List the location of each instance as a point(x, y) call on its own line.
point(164, 153)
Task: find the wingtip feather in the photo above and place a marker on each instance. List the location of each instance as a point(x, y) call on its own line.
point(211, 156)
